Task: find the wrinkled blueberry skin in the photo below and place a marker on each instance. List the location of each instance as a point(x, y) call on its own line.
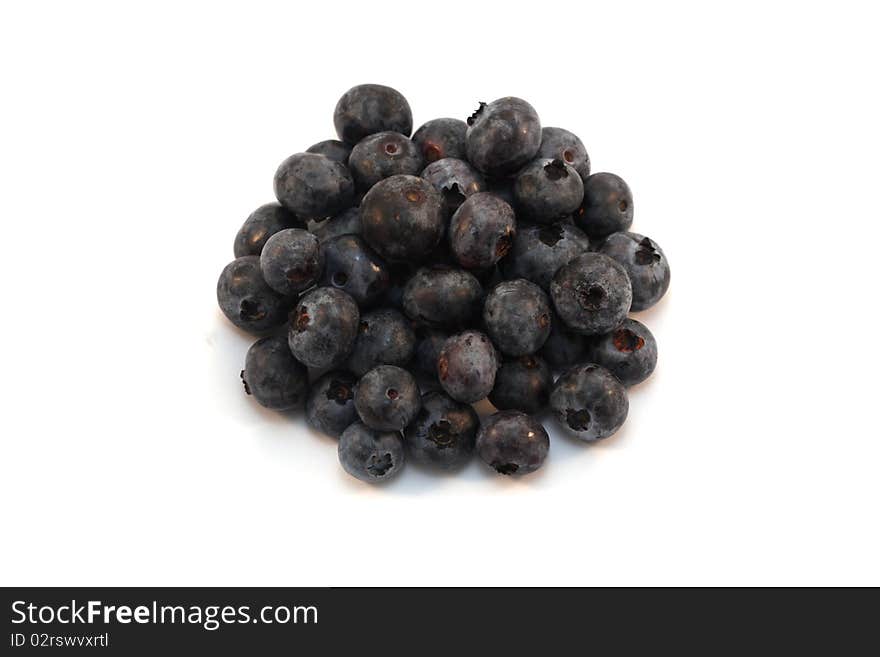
point(247, 300)
point(291, 261)
point(323, 327)
point(353, 267)
point(592, 293)
point(589, 402)
point(442, 297)
point(335, 150)
point(547, 191)
point(370, 455)
point(385, 337)
point(313, 186)
point(443, 433)
point(381, 156)
point(402, 218)
point(629, 352)
point(455, 180)
point(558, 143)
point(387, 398)
point(330, 405)
point(262, 223)
point(273, 376)
point(370, 108)
point(481, 231)
point(645, 264)
point(503, 136)
point(522, 384)
point(539, 251)
point(441, 138)
point(429, 342)
point(563, 347)
point(348, 222)
point(607, 206)
point(466, 366)
point(511, 442)
point(517, 317)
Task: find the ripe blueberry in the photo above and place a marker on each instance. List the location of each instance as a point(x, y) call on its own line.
point(353, 267)
point(443, 432)
point(440, 138)
point(547, 191)
point(512, 442)
point(323, 327)
point(291, 260)
point(558, 143)
point(330, 405)
point(589, 402)
point(592, 293)
point(442, 297)
point(273, 376)
point(385, 337)
point(629, 352)
point(481, 231)
point(387, 398)
point(370, 455)
point(522, 384)
point(517, 317)
point(370, 108)
point(503, 136)
point(313, 186)
point(262, 223)
point(335, 150)
point(381, 156)
point(466, 366)
point(247, 300)
point(455, 180)
point(607, 207)
point(539, 251)
point(645, 264)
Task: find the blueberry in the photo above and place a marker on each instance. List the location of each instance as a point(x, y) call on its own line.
point(592, 293)
point(348, 222)
point(273, 376)
point(481, 231)
point(563, 347)
point(441, 138)
point(466, 366)
point(443, 432)
point(547, 191)
point(607, 207)
point(539, 251)
point(335, 150)
point(517, 317)
point(645, 264)
point(370, 455)
point(442, 297)
point(387, 398)
point(455, 180)
point(629, 352)
point(370, 108)
point(313, 186)
point(381, 156)
point(353, 267)
point(247, 300)
point(522, 384)
point(589, 402)
point(503, 136)
point(291, 260)
point(429, 342)
point(330, 405)
point(323, 327)
point(384, 338)
point(262, 223)
point(512, 442)
point(402, 217)
point(557, 143)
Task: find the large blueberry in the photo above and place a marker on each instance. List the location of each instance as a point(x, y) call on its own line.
point(370, 108)
point(589, 402)
point(442, 297)
point(313, 186)
point(592, 293)
point(441, 138)
point(323, 327)
point(503, 136)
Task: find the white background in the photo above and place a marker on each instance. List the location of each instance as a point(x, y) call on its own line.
point(137, 138)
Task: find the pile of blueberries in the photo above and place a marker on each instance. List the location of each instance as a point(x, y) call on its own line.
point(399, 279)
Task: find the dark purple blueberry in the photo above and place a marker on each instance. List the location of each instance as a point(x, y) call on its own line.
point(455, 180)
point(247, 300)
point(539, 251)
point(387, 398)
point(323, 327)
point(353, 267)
point(381, 156)
point(371, 455)
point(564, 347)
point(262, 223)
point(335, 150)
point(645, 264)
point(592, 293)
point(330, 405)
point(273, 376)
point(466, 366)
point(385, 337)
point(313, 186)
point(291, 261)
point(441, 138)
point(589, 402)
point(512, 443)
point(517, 317)
point(443, 432)
point(402, 218)
point(558, 143)
point(607, 207)
point(370, 108)
point(442, 297)
point(429, 342)
point(503, 136)
point(547, 191)
point(481, 231)
point(348, 222)
point(522, 384)
point(629, 352)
